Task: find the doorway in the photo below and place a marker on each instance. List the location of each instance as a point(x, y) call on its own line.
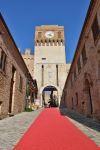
point(50, 96)
point(12, 89)
point(88, 97)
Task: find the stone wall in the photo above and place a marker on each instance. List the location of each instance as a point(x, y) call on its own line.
point(82, 89)
point(50, 68)
point(13, 60)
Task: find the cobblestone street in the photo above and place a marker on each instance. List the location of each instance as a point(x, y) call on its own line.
point(87, 125)
point(12, 129)
point(50, 75)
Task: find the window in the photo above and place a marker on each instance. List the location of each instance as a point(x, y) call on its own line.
point(20, 83)
point(49, 41)
point(79, 65)
point(37, 41)
point(2, 59)
point(43, 58)
point(57, 75)
point(42, 83)
point(95, 28)
point(59, 34)
point(76, 98)
point(72, 103)
point(84, 58)
point(45, 41)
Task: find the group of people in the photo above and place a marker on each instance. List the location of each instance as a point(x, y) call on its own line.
point(53, 102)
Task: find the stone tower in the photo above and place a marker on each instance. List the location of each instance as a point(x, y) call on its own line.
point(50, 68)
point(29, 60)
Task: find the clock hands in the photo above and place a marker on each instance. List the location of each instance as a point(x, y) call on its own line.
point(49, 34)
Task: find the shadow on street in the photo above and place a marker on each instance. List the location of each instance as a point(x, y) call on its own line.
point(89, 122)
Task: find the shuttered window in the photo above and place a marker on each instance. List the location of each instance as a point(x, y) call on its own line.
point(2, 60)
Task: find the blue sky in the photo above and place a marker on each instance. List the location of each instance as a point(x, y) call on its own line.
point(22, 16)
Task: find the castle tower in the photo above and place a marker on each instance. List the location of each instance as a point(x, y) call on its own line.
point(50, 69)
point(29, 61)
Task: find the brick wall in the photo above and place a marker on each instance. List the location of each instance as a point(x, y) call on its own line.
point(13, 59)
point(82, 93)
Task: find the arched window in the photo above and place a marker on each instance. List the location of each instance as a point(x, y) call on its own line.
point(57, 78)
point(54, 41)
point(72, 103)
point(2, 60)
point(76, 98)
point(42, 82)
point(37, 41)
point(45, 41)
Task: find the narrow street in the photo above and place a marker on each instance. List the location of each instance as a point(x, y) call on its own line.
point(50, 131)
point(50, 75)
point(13, 128)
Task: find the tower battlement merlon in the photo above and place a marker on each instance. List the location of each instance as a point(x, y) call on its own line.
point(48, 27)
point(49, 35)
point(19, 49)
point(27, 51)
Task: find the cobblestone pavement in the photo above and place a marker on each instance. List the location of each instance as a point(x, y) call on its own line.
point(12, 129)
point(87, 125)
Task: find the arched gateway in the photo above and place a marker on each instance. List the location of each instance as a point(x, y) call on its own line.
point(48, 91)
point(50, 68)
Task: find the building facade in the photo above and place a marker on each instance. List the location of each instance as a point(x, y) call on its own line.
point(50, 68)
point(81, 92)
point(13, 75)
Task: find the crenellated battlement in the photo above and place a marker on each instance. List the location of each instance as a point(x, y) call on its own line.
point(49, 42)
point(49, 35)
point(27, 51)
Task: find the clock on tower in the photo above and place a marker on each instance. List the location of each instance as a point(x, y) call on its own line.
point(49, 59)
point(49, 35)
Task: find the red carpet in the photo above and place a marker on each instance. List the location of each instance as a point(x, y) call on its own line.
point(51, 131)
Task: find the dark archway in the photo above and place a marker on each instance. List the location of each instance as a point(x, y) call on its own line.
point(50, 93)
point(88, 97)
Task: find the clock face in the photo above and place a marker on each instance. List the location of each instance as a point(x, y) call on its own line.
point(49, 34)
